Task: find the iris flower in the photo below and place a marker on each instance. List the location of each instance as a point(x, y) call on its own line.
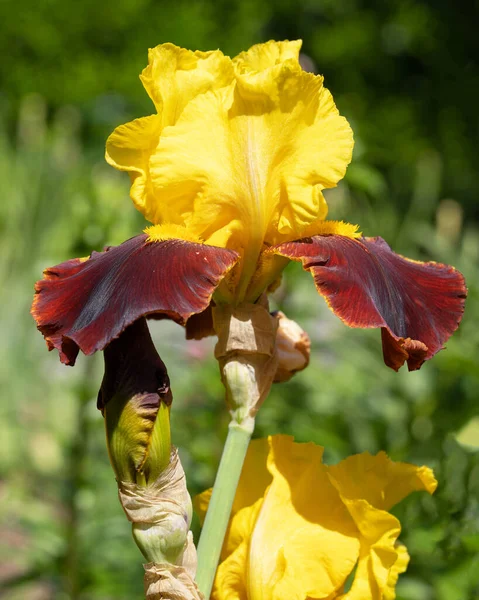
point(300, 529)
point(230, 171)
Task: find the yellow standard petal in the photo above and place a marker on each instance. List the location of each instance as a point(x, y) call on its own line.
point(239, 152)
point(172, 78)
point(245, 170)
point(129, 149)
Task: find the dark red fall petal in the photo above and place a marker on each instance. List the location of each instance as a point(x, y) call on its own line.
point(418, 305)
point(84, 304)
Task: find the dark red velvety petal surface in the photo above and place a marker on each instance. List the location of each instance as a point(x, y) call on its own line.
point(84, 304)
point(417, 305)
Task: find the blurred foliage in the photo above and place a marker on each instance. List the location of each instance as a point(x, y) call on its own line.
point(406, 76)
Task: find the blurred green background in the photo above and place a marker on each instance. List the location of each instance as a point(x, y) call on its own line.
point(406, 75)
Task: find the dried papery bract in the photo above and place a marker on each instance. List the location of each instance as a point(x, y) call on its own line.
point(247, 356)
point(169, 582)
point(135, 397)
point(160, 514)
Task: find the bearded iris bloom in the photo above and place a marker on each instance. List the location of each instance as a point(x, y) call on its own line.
point(301, 529)
point(230, 171)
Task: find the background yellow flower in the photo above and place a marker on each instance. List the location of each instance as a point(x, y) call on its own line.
point(300, 529)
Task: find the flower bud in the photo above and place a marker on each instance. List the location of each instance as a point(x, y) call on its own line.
point(134, 398)
point(293, 347)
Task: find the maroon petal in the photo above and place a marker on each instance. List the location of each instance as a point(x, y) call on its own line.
point(417, 305)
point(84, 304)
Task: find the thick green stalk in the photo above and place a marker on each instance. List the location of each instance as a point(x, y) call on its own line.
point(219, 509)
point(247, 357)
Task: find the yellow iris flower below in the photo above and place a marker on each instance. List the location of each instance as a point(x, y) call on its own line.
point(238, 153)
point(301, 530)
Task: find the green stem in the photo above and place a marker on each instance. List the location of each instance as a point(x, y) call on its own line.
point(219, 509)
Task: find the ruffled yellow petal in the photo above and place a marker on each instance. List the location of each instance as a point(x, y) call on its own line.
point(378, 534)
point(399, 567)
point(302, 537)
point(314, 525)
point(290, 550)
point(379, 480)
point(368, 487)
point(263, 56)
point(174, 76)
point(129, 149)
point(257, 168)
point(251, 168)
point(256, 69)
point(240, 150)
point(230, 581)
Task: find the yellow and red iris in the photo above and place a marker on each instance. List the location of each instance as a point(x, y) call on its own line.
point(230, 172)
